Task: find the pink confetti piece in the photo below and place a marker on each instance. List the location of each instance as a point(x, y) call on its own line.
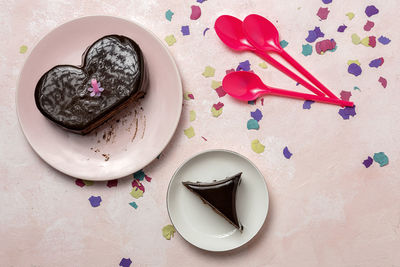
point(229, 71)
point(148, 179)
point(345, 95)
point(372, 41)
point(196, 13)
point(191, 96)
point(262, 101)
point(383, 81)
point(369, 25)
point(220, 91)
point(325, 45)
point(323, 13)
point(112, 183)
point(137, 184)
point(79, 182)
point(218, 106)
point(204, 138)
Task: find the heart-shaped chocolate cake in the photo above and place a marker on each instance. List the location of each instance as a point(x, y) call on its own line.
point(79, 99)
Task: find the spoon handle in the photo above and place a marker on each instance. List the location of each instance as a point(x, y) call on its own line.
point(288, 72)
point(306, 74)
point(292, 94)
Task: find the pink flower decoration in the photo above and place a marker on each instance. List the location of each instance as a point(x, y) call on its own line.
point(95, 89)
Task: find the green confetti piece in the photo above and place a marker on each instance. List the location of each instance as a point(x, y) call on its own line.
point(208, 72)
point(170, 39)
point(381, 158)
point(215, 84)
point(356, 88)
point(257, 146)
point(263, 65)
point(192, 115)
point(189, 132)
point(169, 14)
point(23, 49)
point(283, 43)
point(252, 124)
point(355, 39)
point(136, 192)
point(365, 41)
point(88, 183)
point(334, 49)
point(168, 231)
point(349, 62)
point(133, 204)
point(216, 113)
point(307, 50)
point(350, 15)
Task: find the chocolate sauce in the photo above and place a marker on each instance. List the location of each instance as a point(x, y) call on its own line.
point(220, 195)
point(62, 94)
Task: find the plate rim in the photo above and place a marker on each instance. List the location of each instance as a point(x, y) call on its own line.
point(225, 151)
point(122, 174)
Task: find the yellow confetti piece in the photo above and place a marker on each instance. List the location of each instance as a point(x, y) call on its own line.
point(136, 192)
point(215, 84)
point(168, 231)
point(23, 49)
point(192, 115)
point(88, 183)
point(208, 72)
point(349, 62)
point(263, 65)
point(170, 39)
point(350, 15)
point(365, 41)
point(257, 146)
point(215, 112)
point(355, 39)
point(189, 132)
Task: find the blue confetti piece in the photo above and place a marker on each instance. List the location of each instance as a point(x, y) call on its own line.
point(384, 40)
point(354, 69)
point(287, 153)
point(133, 204)
point(95, 201)
point(185, 30)
point(341, 28)
point(347, 112)
point(125, 262)
point(205, 30)
point(245, 66)
point(257, 115)
point(326, 1)
point(307, 104)
point(139, 175)
point(201, 1)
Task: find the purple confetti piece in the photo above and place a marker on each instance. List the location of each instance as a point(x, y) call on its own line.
point(342, 28)
point(95, 201)
point(326, 1)
point(368, 162)
point(201, 1)
point(287, 153)
point(347, 112)
point(371, 10)
point(307, 104)
point(345, 95)
point(218, 106)
point(354, 69)
point(220, 91)
point(376, 63)
point(383, 81)
point(185, 30)
point(323, 13)
point(245, 66)
point(196, 13)
point(314, 35)
point(204, 32)
point(125, 262)
point(384, 40)
point(257, 115)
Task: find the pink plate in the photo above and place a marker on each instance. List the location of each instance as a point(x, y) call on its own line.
point(129, 141)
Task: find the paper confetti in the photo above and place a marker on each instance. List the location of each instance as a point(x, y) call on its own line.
point(133, 204)
point(326, 1)
point(307, 104)
point(229, 71)
point(136, 193)
point(185, 30)
point(383, 81)
point(263, 65)
point(369, 25)
point(354, 69)
point(252, 102)
point(95, 201)
point(216, 109)
point(188, 96)
point(371, 10)
point(381, 158)
point(314, 35)
point(350, 15)
point(208, 72)
point(376, 63)
point(371, 41)
point(79, 182)
point(355, 39)
point(384, 40)
point(139, 175)
point(252, 124)
point(356, 88)
point(342, 28)
point(215, 84)
point(323, 13)
point(349, 62)
point(125, 262)
point(200, 1)
point(218, 106)
point(112, 183)
point(169, 14)
point(88, 183)
point(196, 13)
point(257, 147)
point(137, 184)
point(23, 49)
point(220, 91)
point(205, 139)
point(345, 95)
point(346, 112)
point(283, 43)
point(189, 132)
point(324, 45)
point(307, 50)
point(257, 115)
point(245, 66)
point(192, 115)
point(148, 179)
point(368, 162)
point(168, 231)
point(205, 30)
point(170, 39)
point(287, 153)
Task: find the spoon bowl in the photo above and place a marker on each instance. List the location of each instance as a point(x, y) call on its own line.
point(229, 29)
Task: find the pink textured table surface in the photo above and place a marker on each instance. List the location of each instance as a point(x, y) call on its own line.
point(326, 208)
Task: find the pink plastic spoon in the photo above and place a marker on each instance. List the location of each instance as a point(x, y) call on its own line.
point(230, 30)
point(247, 86)
point(263, 35)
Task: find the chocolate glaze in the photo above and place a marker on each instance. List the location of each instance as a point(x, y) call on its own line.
point(116, 62)
point(220, 195)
